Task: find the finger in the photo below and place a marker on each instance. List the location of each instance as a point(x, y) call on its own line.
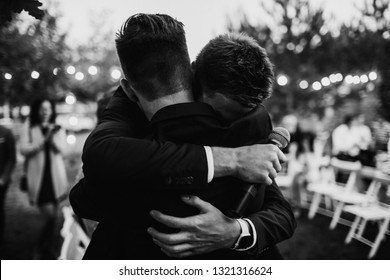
point(170, 221)
point(179, 255)
point(268, 181)
point(172, 238)
point(272, 173)
point(277, 165)
point(282, 157)
point(195, 201)
point(176, 249)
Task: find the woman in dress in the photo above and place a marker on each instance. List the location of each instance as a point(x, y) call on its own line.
point(43, 144)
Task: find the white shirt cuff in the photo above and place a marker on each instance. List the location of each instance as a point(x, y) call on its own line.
point(253, 231)
point(210, 163)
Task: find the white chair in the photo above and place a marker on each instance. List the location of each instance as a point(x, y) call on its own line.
point(327, 187)
point(75, 239)
point(377, 212)
point(353, 197)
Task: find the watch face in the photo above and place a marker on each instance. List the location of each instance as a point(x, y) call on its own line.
point(245, 241)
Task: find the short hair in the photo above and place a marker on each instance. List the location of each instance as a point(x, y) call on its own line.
point(35, 118)
point(153, 52)
point(235, 65)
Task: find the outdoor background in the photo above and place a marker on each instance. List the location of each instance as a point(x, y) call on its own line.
point(332, 58)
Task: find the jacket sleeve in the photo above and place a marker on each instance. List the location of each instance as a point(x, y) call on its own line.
point(116, 161)
point(275, 222)
point(111, 155)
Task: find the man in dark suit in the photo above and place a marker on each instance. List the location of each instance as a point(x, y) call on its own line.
point(113, 237)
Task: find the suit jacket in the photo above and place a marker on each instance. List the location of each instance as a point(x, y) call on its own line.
point(197, 123)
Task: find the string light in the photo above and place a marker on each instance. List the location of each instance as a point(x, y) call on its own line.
point(116, 74)
point(372, 76)
point(70, 99)
point(282, 80)
point(364, 78)
point(303, 84)
point(92, 70)
point(333, 78)
point(79, 76)
point(34, 75)
point(356, 80)
point(71, 70)
point(349, 79)
point(325, 81)
point(317, 86)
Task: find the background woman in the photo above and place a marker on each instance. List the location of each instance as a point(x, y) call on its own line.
point(42, 144)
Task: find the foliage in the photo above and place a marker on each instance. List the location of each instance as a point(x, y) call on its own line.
point(38, 48)
point(99, 52)
point(41, 47)
point(304, 46)
point(10, 7)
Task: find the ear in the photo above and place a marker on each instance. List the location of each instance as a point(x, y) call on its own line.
point(129, 90)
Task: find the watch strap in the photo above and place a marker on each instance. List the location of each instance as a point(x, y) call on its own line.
point(245, 232)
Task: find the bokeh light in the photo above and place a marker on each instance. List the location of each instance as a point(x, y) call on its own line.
point(303, 84)
point(317, 86)
point(116, 74)
point(79, 76)
point(92, 70)
point(73, 120)
point(325, 81)
point(7, 76)
point(71, 70)
point(373, 76)
point(282, 80)
point(34, 75)
point(71, 139)
point(349, 79)
point(70, 99)
point(364, 78)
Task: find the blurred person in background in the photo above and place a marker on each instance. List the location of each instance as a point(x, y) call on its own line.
point(381, 134)
point(345, 145)
point(7, 164)
point(364, 141)
point(42, 144)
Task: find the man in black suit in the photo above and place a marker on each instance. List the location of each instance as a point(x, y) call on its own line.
point(113, 237)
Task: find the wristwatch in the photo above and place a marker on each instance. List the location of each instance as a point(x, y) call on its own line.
point(245, 239)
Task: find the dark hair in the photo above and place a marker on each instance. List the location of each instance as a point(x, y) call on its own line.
point(153, 53)
point(348, 119)
point(35, 119)
point(236, 66)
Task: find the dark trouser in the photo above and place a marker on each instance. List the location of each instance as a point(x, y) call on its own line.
point(3, 191)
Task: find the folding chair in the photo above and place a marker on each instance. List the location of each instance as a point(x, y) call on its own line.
point(377, 212)
point(353, 197)
point(326, 186)
point(75, 239)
